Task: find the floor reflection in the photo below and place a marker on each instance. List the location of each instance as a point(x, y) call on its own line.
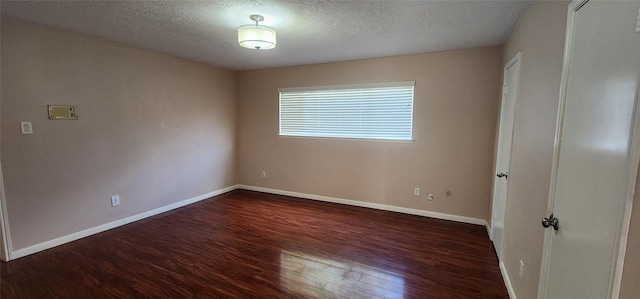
point(316, 277)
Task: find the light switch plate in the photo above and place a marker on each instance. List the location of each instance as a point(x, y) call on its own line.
point(26, 127)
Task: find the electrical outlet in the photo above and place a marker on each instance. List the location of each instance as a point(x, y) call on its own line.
point(521, 269)
point(430, 196)
point(264, 174)
point(416, 191)
point(115, 200)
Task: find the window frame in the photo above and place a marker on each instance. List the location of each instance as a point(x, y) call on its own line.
point(349, 87)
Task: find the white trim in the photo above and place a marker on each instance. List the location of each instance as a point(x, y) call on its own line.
point(546, 245)
point(507, 281)
point(488, 226)
point(349, 86)
point(107, 226)
point(633, 166)
point(376, 206)
point(4, 223)
point(412, 140)
point(515, 61)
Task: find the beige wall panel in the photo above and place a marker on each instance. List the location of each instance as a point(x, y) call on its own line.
point(154, 129)
point(539, 35)
point(456, 98)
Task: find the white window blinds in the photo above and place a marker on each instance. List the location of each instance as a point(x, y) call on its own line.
point(373, 111)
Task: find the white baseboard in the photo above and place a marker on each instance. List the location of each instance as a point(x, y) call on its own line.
point(107, 226)
point(507, 281)
point(376, 206)
point(489, 230)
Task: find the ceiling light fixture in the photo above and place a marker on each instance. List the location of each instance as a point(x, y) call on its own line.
point(256, 36)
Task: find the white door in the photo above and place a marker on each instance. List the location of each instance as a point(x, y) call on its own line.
point(595, 162)
point(503, 158)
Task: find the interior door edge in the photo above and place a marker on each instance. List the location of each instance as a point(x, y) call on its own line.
point(544, 265)
point(632, 173)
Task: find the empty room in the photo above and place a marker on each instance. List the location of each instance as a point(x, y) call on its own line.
point(319, 149)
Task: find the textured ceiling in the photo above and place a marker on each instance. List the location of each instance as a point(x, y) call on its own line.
point(307, 31)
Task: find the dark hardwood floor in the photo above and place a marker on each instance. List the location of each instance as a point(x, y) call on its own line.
point(252, 245)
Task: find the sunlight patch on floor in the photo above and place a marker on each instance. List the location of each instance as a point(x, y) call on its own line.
point(318, 277)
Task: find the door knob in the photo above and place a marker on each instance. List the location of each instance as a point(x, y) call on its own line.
point(502, 174)
point(551, 222)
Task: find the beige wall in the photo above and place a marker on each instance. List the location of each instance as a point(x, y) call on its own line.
point(153, 129)
point(539, 35)
point(456, 97)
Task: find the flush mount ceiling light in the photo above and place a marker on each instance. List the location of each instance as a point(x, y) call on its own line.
point(257, 36)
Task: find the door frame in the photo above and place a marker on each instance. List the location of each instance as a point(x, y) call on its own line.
point(632, 169)
point(5, 236)
point(516, 59)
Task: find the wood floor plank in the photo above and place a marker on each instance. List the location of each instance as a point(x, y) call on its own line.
point(246, 244)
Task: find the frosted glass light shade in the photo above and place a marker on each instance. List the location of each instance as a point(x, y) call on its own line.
point(256, 37)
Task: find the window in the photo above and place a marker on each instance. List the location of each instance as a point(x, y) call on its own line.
point(372, 111)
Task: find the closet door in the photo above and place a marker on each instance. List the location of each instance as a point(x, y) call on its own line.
point(596, 161)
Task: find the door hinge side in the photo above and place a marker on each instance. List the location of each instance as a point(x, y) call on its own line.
point(638, 21)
